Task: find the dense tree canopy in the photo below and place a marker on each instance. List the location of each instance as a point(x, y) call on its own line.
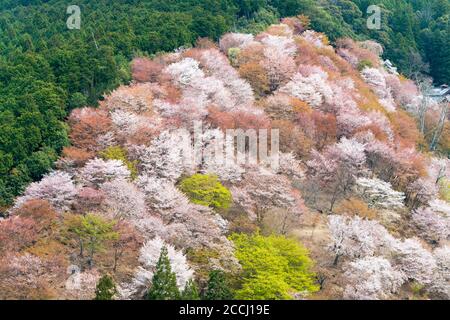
point(274, 268)
point(355, 182)
point(46, 69)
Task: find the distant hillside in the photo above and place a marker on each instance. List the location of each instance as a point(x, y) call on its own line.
point(355, 208)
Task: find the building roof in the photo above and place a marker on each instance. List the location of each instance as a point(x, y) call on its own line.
point(441, 91)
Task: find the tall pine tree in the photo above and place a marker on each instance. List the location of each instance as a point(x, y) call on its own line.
point(164, 281)
point(106, 288)
point(218, 287)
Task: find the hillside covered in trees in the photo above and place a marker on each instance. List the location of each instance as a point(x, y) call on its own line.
point(47, 70)
point(358, 207)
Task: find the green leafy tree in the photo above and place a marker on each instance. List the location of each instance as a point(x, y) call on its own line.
point(164, 281)
point(106, 288)
point(92, 233)
point(206, 190)
point(274, 268)
point(218, 287)
point(77, 100)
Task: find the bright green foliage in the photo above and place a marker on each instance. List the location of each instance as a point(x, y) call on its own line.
point(274, 267)
point(190, 292)
point(164, 281)
point(206, 190)
point(218, 287)
point(92, 233)
point(233, 54)
point(106, 288)
point(444, 189)
point(364, 64)
point(118, 153)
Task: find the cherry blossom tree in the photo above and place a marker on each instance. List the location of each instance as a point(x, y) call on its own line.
point(149, 255)
point(312, 89)
point(404, 92)
point(88, 199)
point(168, 156)
point(280, 67)
point(196, 226)
point(127, 242)
point(123, 199)
point(357, 238)
point(187, 225)
point(440, 206)
point(284, 45)
point(57, 188)
point(241, 93)
point(145, 70)
point(128, 123)
point(87, 125)
point(185, 72)
point(438, 169)
point(217, 156)
point(99, 171)
point(317, 39)
point(290, 166)
point(441, 278)
point(82, 285)
point(377, 81)
point(260, 192)
point(432, 225)
point(161, 195)
point(336, 169)
point(356, 52)
point(415, 262)
point(420, 192)
point(372, 278)
point(17, 233)
point(350, 119)
point(136, 98)
point(234, 40)
point(378, 193)
point(400, 166)
point(27, 276)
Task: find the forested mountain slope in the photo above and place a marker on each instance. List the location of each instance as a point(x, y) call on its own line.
point(47, 70)
point(357, 208)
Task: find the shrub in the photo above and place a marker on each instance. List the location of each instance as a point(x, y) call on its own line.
point(206, 190)
point(444, 189)
point(364, 64)
point(273, 267)
point(106, 288)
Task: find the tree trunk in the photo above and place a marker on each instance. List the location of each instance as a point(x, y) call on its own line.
point(440, 127)
point(336, 259)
